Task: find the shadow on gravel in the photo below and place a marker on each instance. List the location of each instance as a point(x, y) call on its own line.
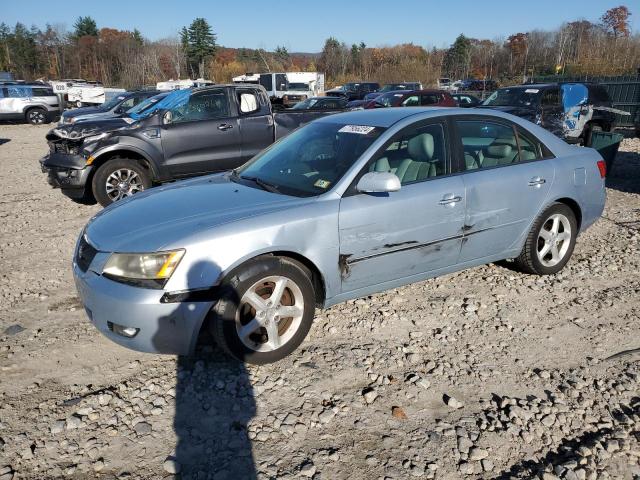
point(4, 140)
point(567, 450)
point(213, 405)
point(625, 174)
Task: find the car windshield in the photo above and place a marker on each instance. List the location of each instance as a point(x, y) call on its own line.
point(145, 104)
point(306, 104)
point(310, 161)
point(389, 99)
point(301, 87)
point(115, 101)
point(173, 100)
point(513, 97)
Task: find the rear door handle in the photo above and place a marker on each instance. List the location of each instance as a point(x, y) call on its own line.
point(450, 199)
point(537, 181)
point(224, 127)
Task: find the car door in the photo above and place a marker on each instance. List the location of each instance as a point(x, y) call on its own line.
point(203, 135)
point(388, 237)
point(507, 176)
point(256, 121)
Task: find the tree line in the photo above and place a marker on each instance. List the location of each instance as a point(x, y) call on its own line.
point(127, 59)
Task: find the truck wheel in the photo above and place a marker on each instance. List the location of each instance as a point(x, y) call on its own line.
point(265, 310)
point(37, 116)
point(119, 178)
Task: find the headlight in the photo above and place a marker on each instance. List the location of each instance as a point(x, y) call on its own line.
point(94, 138)
point(69, 120)
point(149, 270)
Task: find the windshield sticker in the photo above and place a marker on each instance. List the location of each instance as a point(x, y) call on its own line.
point(531, 90)
point(120, 98)
point(359, 129)
point(324, 184)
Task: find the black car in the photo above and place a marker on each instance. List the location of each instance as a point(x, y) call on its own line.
point(572, 111)
point(117, 106)
point(322, 103)
point(354, 90)
point(466, 100)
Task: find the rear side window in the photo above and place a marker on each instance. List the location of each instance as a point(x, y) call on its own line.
point(551, 98)
point(18, 92)
point(42, 92)
point(412, 101)
point(531, 148)
point(599, 94)
point(487, 144)
point(267, 82)
point(430, 99)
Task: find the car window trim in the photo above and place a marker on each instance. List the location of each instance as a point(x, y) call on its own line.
point(351, 189)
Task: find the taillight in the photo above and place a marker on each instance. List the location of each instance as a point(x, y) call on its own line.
point(603, 168)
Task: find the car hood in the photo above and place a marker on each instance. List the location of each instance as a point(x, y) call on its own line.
point(87, 128)
point(76, 112)
point(164, 217)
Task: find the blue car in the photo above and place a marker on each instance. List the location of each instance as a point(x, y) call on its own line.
point(344, 207)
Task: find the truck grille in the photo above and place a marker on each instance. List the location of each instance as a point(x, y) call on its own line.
point(85, 254)
point(58, 147)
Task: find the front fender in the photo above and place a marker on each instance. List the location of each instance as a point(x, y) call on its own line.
point(102, 151)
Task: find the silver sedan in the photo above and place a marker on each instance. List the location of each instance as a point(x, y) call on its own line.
point(349, 205)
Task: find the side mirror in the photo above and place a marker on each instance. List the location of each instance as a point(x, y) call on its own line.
point(378, 182)
point(167, 118)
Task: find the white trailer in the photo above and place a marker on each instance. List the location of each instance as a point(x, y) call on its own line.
point(287, 88)
point(182, 84)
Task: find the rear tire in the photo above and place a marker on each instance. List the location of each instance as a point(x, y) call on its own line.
point(265, 310)
point(550, 242)
point(37, 116)
point(119, 178)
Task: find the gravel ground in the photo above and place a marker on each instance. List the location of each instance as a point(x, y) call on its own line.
point(487, 373)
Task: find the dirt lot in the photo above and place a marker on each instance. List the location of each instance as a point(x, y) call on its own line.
point(483, 374)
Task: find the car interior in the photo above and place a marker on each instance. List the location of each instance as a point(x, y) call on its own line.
point(415, 157)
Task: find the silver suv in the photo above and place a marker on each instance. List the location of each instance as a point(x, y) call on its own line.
point(36, 103)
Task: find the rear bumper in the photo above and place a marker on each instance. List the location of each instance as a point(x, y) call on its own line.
point(67, 172)
point(170, 328)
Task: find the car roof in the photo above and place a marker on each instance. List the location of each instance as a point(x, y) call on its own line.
point(533, 85)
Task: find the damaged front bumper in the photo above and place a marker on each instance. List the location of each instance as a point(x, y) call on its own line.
point(68, 172)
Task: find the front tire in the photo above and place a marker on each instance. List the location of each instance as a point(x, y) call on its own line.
point(37, 116)
point(119, 178)
point(550, 242)
point(265, 310)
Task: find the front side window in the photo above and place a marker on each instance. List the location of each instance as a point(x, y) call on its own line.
point(281, 82)
point(18, 92)
point(487, 144)
point(416, 155)
point(207, 105)
point(266, 81)
point(309, 161)
point(551, 98)
point(42, 92)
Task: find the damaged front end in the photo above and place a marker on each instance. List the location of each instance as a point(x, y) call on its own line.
point(68, 164)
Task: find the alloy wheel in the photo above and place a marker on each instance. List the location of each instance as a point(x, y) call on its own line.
point(123, 183)
point(269, 314)
point(554, 240)
point(37, 117)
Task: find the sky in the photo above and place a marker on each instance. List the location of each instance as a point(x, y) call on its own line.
point(258, 24)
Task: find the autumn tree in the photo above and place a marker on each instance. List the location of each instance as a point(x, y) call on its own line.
point(616, 21)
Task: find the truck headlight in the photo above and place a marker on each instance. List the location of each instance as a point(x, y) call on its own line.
point(94, 138)
point(148, 270)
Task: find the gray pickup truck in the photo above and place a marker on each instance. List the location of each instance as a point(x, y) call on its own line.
point(188, 133)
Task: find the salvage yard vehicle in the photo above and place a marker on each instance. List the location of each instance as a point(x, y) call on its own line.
point(32, 102)
point(118, 105)
point(412, 98)
point(572, 111)
point(321, 103)
point(329, 214)
point(392, 87)
point(354, 90)
point(187, 133)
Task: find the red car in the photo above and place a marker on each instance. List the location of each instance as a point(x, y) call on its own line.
point(413, 98)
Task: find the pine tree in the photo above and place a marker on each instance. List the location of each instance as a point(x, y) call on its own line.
point(200, 44)
point(85, 26)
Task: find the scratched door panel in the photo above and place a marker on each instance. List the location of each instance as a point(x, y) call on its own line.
point(501, 206)
point(391, 236)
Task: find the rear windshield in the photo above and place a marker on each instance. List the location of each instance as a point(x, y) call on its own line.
point(513, 97)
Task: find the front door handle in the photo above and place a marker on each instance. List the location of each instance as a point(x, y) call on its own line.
point(224, 127)
point(450, 199)
point(537, 181)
